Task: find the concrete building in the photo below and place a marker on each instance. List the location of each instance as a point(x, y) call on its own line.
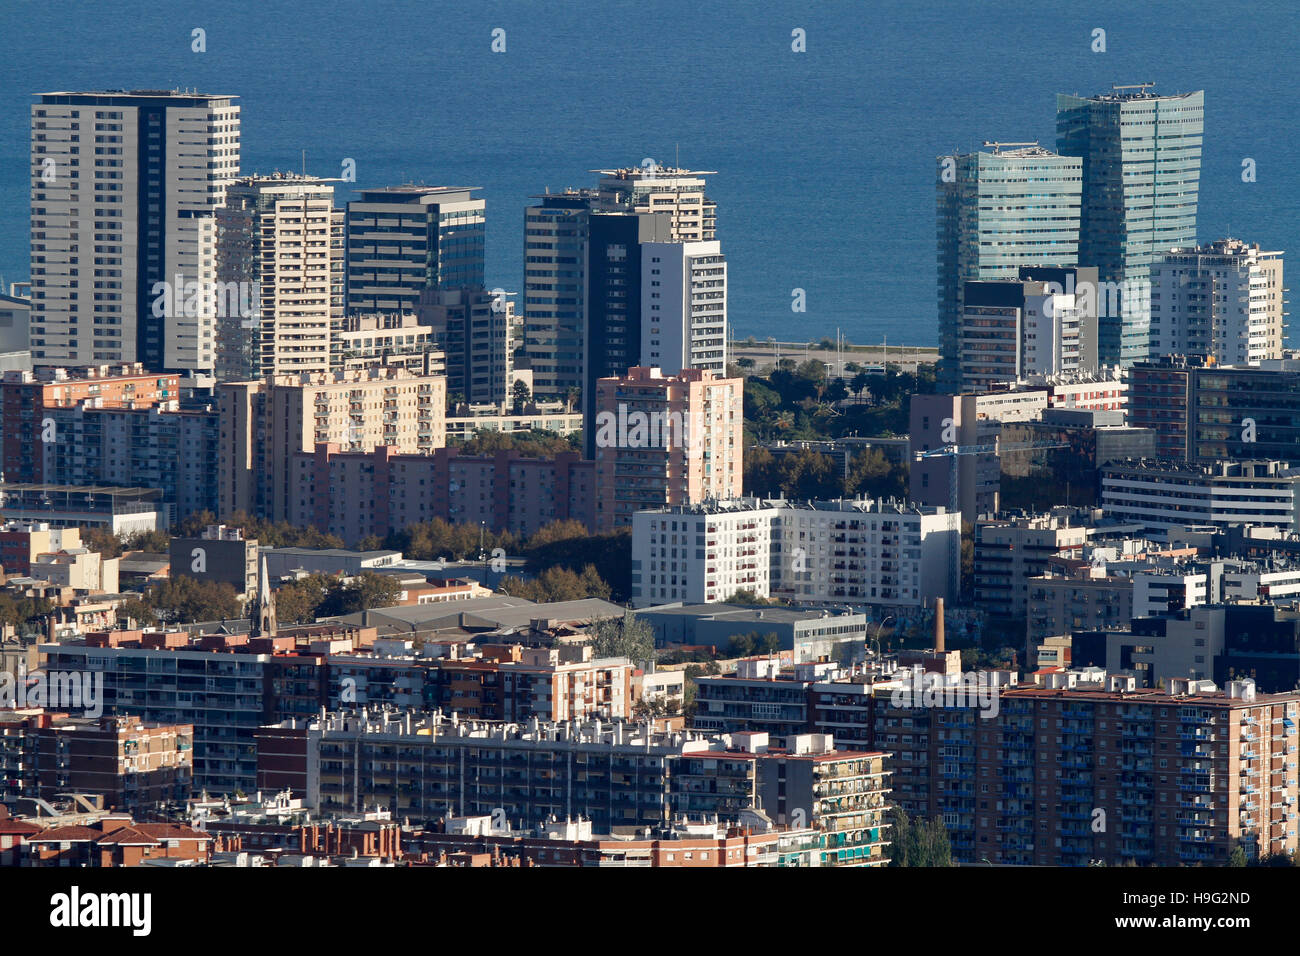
point(555, 289)
point(131, 765)
point(402, 240)
point(226, 686)
point(1067, 599)
point(940, 421)
point(168, 446)
point(280, 238)
point(1141, 170)
point(219, 554)
point(683, 306)
point(1011, 551)
point(123, 511)
point(842, 552)
point(26, 399)
point(808, 635)
point(15, 317)
point(1072, 445)
point(358, 494)
point(1183, 776)
point(1209, 412)
point(1223, 299)
point(137, 177)
point(22, 541)
point(1016, 204)
point(1013, 329)
point(479, 333)
point(361, 341)
point(1161, 494)
point(265, 424)
point(665, 440)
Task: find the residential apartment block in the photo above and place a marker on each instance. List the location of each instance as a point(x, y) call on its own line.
point(137, 177)
point(1223, 299)
point(1161, 494)
point(265, 424)
point(846, 551)
point(665, 440)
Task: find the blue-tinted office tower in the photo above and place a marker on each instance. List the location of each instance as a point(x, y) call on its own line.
point(402, 240)
point(1141, 180)
point(1008, 206)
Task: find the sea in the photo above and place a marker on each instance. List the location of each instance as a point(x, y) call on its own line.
point(819, 121)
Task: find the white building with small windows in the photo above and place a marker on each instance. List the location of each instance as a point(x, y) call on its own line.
point(849, 551)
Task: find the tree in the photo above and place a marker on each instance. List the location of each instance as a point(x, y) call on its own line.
point(153, 542)
point(194, 524)
point(1238, 856)
point(837, 391)
point(100, 539)
point(557, 584)
point(299, 602)
point(365, 591)
point(520, 395)
point(628, 636)
point(186, 600)
point(138, 611)
point(859, 383)
point(918, 842)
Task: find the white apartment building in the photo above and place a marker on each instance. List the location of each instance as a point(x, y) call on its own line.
point(653, 188)
point(846, 551)
point(281, 237)
point(684, 306)
point(1160, 494)
point(1223, 299)
point(124, 191)
point(1015, 329)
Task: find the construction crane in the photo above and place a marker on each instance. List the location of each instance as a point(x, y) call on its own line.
point(954, 452)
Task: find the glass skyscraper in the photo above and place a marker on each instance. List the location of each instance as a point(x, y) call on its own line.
point(1015, 205)
point(1141, 158)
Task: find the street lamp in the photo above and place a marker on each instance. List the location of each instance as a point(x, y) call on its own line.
point(880, 627)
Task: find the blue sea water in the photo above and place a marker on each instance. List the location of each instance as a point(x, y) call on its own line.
point(824, 159)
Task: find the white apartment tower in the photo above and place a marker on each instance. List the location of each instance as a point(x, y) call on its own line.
point(1223, 299)
point(281, 242)
point(124, 192)
point(684, 306)
point(661, 189)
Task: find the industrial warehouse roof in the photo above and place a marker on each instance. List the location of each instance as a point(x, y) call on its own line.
point(498, 611)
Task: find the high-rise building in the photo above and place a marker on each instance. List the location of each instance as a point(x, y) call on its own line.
point(584, 288)
point(1016, 205)
point(265, 423)
point(1141, 157)
point(402, 240)
point(1177, 777)
point(665, 440)
point(478, 332)
point(280, 250)
point(555, 288)
point(124, 193)
point(1223, 299)
point(651, 188)
point(1014, 329)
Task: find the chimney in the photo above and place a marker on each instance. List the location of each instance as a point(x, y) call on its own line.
point(938, 625)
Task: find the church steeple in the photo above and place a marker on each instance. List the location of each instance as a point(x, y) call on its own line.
point(265, 621)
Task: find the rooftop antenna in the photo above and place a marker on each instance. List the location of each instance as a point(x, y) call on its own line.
point(304, 164)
